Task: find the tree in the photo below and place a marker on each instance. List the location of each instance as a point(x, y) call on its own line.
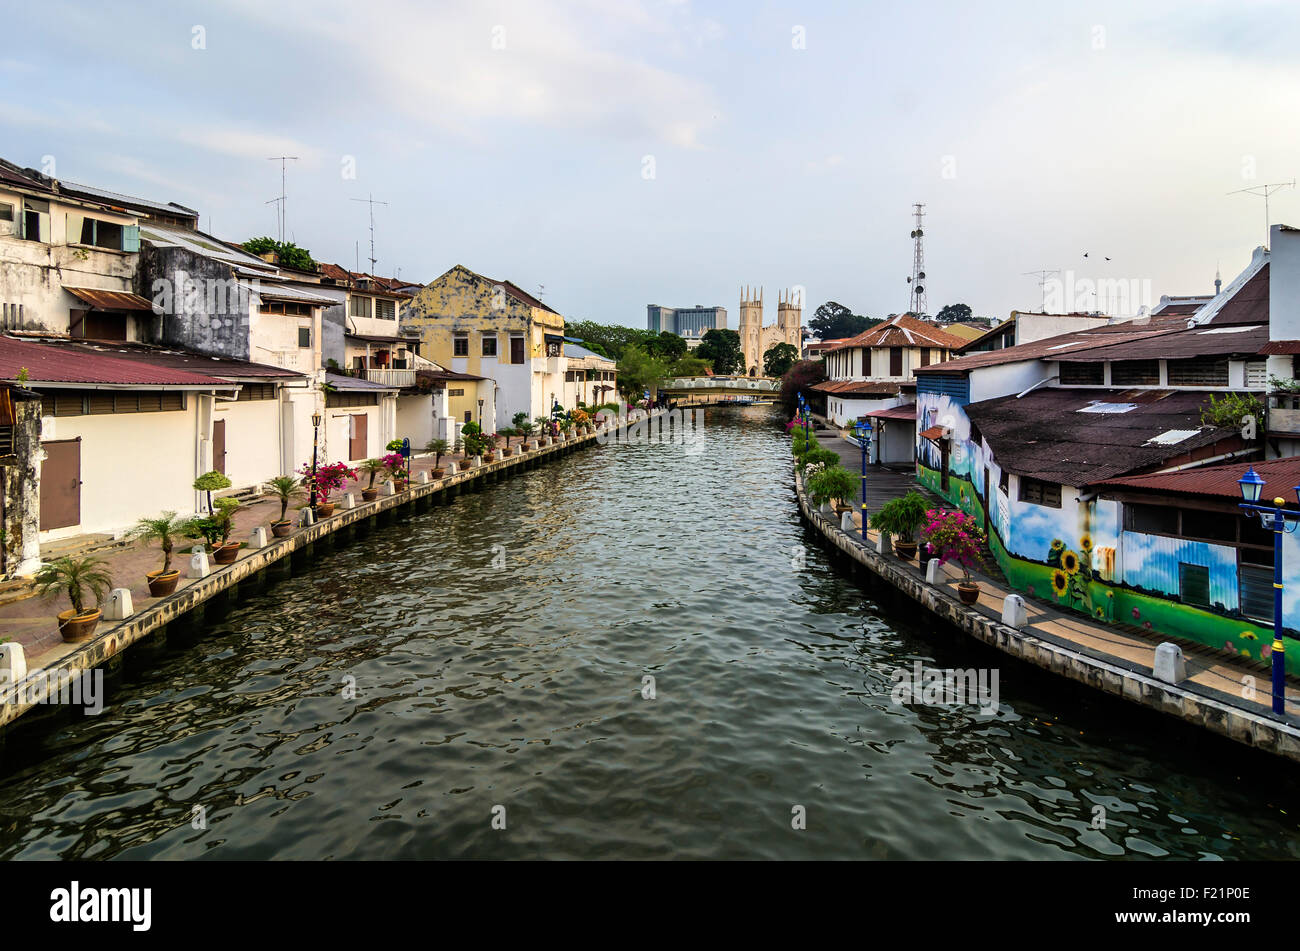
point(667, 345)
point(690, 365)
point(954, 314)
point(779, 359)
point(609, 340)
point(290, 254)
point(801, 377)
point(638, 372)
point(834, 321)
point(722, 349)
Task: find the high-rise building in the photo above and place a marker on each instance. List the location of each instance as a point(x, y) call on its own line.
point(685, 321)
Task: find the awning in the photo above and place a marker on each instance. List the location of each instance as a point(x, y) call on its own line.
point(934, 433)
point(895, 412)
point(376, 338)
point(109, 300)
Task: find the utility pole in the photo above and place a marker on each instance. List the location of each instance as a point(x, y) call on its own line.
point(283, 200)
point(371, 202)
point(1264, 191)
point(1042, 276)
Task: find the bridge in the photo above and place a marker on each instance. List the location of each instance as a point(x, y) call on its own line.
point(720, 390)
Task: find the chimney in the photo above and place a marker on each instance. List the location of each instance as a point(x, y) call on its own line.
point(1284, 283)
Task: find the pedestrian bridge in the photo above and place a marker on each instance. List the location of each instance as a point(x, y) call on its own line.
point(713, 390)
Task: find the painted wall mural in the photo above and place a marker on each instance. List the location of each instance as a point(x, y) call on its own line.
point(1078, 558)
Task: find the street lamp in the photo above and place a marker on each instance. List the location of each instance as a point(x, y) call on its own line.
point(480, 414)
point(863, 431)
point(1273, 519)
point(803, 411)
point(315, 442)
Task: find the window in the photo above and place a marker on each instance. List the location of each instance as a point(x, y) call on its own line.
point(1255, 592)
point(1194, 584)
point(469, 418)
point(460, 345)
point(1151, 519)
point(360, 306)
point(1257, 374)
point(6, 440)
point(347, 399)
point(460, 392)
point(386, 309)
point(1199, 371)
point(489, 345)
point(1082, 374)
point(1212, 526)
point(288, 308)
point(516, 348)
point(304, 336)
point(36, 220)
point(104, 402)
point(1004, 482)
point(925, 356)
point(6, 211)
point(92, 231)
point(257, 391)
point(895, 361)
point(1135, 373)
point(1038, 492)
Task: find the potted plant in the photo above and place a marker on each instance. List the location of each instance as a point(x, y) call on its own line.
point(394, 464)
point(211, 482)
point(76, 577)
point(438, 447)
point(285, 488)
point(902, 517)
point(831, 482)
point(164, 530)
point(329, 479)
point(954, 536)
point(216, 528)
point(373, 467)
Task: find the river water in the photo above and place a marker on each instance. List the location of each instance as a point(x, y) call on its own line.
point(499, 648)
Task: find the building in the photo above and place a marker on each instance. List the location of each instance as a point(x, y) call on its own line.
point(816, 349)
point(475, 325)
point(756, 340)
point(1025, 327)
point(686, 321)
point(589, 378)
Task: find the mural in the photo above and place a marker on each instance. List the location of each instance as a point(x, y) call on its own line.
point(1077, 557)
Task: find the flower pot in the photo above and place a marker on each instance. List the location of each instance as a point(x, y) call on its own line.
point(438, 473)
point(162, 583)
point(400, 484)
point(369, 495)
point(282, 529)
point(968, 591)
point(78, 628)
point(905, 550)
point(226, 554)
point(324, 509)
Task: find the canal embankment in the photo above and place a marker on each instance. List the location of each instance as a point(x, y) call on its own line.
point(1226, 698)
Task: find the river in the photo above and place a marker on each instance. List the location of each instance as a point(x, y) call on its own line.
point(499, 649)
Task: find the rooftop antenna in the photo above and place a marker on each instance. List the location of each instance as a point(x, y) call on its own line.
point(916, 299)
point(371, 202)
point(1264, 191)
point(541, 291)
point(1043, 274)
point(283, 200)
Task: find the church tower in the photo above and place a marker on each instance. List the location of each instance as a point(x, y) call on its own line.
point(789, 319)
point(751, 327)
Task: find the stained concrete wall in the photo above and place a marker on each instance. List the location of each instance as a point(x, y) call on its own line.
point(198, 305)
point(20, 481)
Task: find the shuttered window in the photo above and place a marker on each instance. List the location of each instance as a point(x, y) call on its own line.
point(6, 440)
point(351, 399)
point(1194, 584)
point(1198, 371)
point(105, 402)
point(1037, 492)
point(257, 391)
point(1135, 373)
point(1082, 374)
point(1256, 374)
point(1255, 592)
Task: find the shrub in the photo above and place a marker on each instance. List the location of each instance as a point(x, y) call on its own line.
point(1226, 411)
point(901, 517)
point(954, 536)
point(832, 482)
point(827, 458)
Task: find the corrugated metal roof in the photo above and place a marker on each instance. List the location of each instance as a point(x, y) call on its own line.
point(59, 362)
point(903, 331)
point(176, 359)
point(1208, 340)
point(109, 300)
point(907, 411)
point(342, 382)
point(127, 201)
point(1281, 475)
point(858, 387)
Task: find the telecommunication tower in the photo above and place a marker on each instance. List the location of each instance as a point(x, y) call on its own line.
point(916, 283)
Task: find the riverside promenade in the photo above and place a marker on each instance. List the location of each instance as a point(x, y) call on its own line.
point(31, 623)
point(1219, 694)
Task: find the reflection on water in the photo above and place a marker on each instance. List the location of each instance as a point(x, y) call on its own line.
point(524, 685)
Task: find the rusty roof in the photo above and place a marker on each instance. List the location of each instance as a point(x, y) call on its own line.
point(1080, 436)
point(906, 411)
point(858, 387)
point(109, 300)
point(60, 362)
point(1281, 476)
point(1206, 340)
point(1049, 348)
point(903, 330)
point(173, 358)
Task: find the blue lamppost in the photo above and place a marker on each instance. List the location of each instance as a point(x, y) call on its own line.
point(863, 431)
point(1274, 519)
point(803, 411)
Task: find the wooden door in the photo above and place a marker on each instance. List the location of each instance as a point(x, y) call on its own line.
point(219, 446)
point(357, 441)
point(988, 500)
point(895, 361)
point(516, 349)
point(61, 484)
point(943, 464)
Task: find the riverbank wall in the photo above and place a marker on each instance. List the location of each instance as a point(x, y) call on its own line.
point(1210, 710)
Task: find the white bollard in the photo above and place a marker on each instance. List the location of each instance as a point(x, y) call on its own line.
point(13, 664)
point(390, 488)
point(1170, 665)
point(478, 461)
point(846, 523)
point(498, 455)
point(349, 501)
point(422, 477)
point(118, 607)
point(1014, 613)
point(308, 517)
point(827, 510)
point(257, 537)
point(451, 468)
point(884, 545)
point(199, 567)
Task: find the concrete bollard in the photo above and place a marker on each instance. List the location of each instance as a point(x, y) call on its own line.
point(422, 477)
point(118, 607)
point(1013, 611)
point(257, 537)
point(532, 445)
point(846, 523)
point(13, 664)
point(390, 488)
point(933, 571)
point(307, 518)
point(199, 567)
point(451, 468)
point(827, 510)
point(349, 501)
point(884, 545)
point(1170, 665)
point(478, 461)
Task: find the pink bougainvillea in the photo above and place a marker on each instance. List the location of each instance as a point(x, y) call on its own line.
point(953, 536)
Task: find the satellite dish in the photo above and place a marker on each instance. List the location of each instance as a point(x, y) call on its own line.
point(922, 275)
point(920, 289)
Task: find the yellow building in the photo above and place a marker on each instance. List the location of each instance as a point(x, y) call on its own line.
point(476, 325)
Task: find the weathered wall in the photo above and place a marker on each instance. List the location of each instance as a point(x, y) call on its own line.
point(198, 305)
point(21, 484)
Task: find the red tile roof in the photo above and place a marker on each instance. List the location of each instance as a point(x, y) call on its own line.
point(907, 411)
point(934, 432)
point(903, 331)
point(52, 363)
point(1218, 481)
point(167, 358)
point(858, 387)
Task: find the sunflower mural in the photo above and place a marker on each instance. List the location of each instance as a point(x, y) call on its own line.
point(1055, 552)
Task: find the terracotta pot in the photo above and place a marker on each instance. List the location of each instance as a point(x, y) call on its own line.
point(438, 473)
point(324, 510)
point(79, 628)
point(400, 485)
point(369, 495)
point(905, 550)
point(162, 583)
point(226, 554)
point(282, 529)
point(968, 592)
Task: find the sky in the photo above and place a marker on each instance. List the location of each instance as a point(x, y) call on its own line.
point(618, 154)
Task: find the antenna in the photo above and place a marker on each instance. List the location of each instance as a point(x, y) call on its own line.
point(371, 202)
point(541, 291)
point(1043, 275)
point(1264, 191)
point(916, 301)
point(283, 200)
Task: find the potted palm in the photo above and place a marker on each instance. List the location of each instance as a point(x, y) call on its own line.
point(163, 529)
point(954, 536)
point(76, 577)
point(373, 467)
point(285, 488)
point(438, 447)
point(902, 518)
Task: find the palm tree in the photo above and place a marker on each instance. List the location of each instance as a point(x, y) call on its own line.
point(163, 529)
point(75, 577)
point(285, 488)
point(437, 447)
point(374, 467)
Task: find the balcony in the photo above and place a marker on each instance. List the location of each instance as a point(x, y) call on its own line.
point(390, 377)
